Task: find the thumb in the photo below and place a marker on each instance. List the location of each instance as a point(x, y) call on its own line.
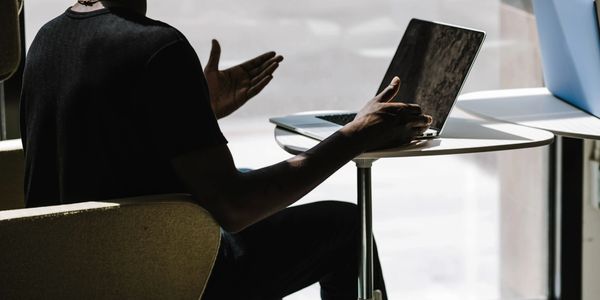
point(215, 56)
point(390, 91)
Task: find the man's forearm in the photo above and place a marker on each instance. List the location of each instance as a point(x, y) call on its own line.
point(262, 192)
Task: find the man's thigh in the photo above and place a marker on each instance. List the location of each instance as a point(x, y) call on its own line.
point(287, 252)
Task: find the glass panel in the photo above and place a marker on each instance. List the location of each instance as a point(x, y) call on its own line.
point(449, 227)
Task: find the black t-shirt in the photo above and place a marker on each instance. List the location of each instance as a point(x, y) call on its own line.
point(109, 97)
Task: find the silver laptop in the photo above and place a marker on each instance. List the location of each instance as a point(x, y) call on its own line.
point(432, 60)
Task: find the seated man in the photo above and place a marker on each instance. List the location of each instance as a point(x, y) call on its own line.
point(116, 105)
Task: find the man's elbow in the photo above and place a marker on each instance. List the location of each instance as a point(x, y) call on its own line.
point(230, 225)
point(230, 219)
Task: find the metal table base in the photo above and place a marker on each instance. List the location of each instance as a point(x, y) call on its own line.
point(365, 273)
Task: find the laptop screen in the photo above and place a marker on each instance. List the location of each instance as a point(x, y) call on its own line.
point(433, 60)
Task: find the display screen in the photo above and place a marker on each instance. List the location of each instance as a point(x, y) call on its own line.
point(433, 60)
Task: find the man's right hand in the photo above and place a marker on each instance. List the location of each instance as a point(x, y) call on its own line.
point(382, 123)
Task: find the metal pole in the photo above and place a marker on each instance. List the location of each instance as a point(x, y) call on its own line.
point(569, 218)
point(365, 272)
point(554, 220)
point(558, 169)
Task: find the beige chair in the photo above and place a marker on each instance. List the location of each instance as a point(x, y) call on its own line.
point(157, 247)
point(11, 175)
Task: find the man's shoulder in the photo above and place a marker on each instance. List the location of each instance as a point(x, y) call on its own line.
point(56, 22)
point(156, 29)
point(120, 36)
point(146, 31)
point(118, 24)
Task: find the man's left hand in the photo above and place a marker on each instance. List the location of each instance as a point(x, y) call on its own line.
point(230, 89)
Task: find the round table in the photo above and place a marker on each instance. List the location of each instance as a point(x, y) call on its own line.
point(459, 136)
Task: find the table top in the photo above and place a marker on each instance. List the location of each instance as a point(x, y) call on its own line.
point(535, 107)
point(460, 135)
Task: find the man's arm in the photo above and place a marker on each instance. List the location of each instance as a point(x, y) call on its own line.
point(238, 200)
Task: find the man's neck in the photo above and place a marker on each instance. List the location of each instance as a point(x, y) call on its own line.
point(138, 6)
point(87, 8)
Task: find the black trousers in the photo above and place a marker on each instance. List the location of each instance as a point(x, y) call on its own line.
point(291, 250)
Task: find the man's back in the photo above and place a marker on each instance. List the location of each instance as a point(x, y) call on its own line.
point(109, 97)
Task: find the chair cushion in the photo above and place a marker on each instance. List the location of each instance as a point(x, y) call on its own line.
point(157, 247)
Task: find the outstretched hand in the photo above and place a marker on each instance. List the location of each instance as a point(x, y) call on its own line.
point(230, 89)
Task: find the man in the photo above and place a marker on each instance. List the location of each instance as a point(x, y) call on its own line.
point(115, 105)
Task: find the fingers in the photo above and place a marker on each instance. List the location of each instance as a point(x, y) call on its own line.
point(405, 116)
point(390, 91)
point(413, 121)
point(258, 61)
point(268, 71)
point(420, 130)
point(414, 108)
point(268, 62)
point(254, 90)
point(420, 121)
point(215, 56)
point(410, 115)
point(398, 107)
point(259, 71)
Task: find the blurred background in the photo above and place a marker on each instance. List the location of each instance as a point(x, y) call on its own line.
point(448, 227)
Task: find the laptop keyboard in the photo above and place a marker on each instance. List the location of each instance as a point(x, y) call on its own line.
point(340, 119)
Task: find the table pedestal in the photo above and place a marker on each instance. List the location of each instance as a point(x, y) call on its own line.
point(365, 273)
point(566, 223)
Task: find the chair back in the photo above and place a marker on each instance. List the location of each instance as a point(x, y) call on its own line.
point(156, 247)
point(10, 43)
point(12, 162)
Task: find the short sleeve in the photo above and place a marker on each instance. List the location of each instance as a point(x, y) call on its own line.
point(175, 104)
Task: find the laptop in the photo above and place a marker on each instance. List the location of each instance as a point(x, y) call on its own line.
point(433, 61)
point(570, 51)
